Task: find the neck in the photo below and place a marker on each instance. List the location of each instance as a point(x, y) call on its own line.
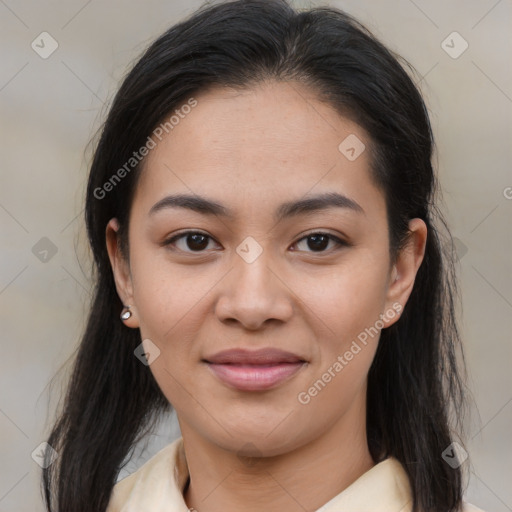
point(303, 479)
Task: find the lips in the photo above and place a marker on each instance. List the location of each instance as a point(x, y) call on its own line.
point(257, 370)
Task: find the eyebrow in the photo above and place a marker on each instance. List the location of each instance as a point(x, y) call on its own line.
point(311, 204)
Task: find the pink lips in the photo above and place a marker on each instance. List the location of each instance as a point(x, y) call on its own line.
point(254, 370)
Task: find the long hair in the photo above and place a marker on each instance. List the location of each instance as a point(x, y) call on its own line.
point(414, 384)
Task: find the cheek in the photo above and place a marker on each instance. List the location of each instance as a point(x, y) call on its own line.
point(349, 299)
point(167, 296)
point(347, 315)
point(171, 302)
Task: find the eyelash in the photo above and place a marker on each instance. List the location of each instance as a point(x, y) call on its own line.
point(340, 243)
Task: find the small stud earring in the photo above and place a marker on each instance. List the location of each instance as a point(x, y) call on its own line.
point(126, 313)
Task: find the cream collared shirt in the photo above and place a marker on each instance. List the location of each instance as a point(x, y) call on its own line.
point(157, 486)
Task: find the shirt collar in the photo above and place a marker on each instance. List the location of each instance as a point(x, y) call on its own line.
point(383, 488)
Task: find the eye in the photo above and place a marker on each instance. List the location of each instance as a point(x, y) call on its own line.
point(196, 241)
point(319, 241)
point(190, 241)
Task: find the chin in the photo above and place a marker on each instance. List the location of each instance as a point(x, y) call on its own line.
point(268, 438)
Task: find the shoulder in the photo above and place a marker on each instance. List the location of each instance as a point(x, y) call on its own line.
point(149, 479)
point(402, 484)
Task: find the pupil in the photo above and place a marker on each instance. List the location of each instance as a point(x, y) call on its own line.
point(315, 242)
point(196, 244)
point(319, 242)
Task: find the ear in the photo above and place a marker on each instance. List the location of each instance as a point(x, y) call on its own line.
point(403, 272)
point(121, 271)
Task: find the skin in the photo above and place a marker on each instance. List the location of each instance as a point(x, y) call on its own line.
point(252, 151)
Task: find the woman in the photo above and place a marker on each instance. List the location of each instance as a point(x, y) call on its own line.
point(261, 211)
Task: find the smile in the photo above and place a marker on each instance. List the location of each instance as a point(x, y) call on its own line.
point(254, 370)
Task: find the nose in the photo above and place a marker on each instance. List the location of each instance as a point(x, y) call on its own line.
point(253, 293)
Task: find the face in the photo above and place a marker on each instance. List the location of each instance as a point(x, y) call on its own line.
point(265, 307)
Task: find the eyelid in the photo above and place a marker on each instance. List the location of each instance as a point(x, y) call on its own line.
point(323, 232)
point(337, 239)
point(176, 236)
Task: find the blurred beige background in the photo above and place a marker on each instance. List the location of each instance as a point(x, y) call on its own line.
point(51, 107)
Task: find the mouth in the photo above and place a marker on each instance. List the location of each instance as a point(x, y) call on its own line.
point(254, 370)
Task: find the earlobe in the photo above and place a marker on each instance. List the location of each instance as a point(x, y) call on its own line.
point(121, 272)
point(128, 317)
point(408, 261)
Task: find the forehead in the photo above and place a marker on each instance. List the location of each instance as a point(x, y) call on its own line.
point(272, 140)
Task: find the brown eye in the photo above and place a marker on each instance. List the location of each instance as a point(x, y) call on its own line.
point(190, 241)
point(318, 242)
